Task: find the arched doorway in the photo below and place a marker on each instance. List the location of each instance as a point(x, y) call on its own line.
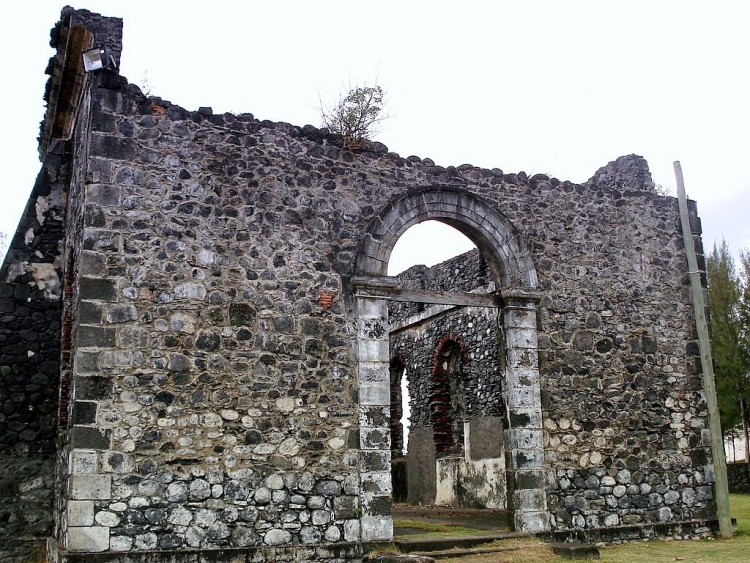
point(515, 279)
point(448, 398)
point(398, 436)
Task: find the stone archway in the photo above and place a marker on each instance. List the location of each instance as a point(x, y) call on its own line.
point(515, 277)
point(447, 389)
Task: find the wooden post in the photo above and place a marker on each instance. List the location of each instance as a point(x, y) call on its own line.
point(704, 343)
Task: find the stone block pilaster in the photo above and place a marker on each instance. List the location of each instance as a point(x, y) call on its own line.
point(524, 437)
point(86, 485)
point(374, 419)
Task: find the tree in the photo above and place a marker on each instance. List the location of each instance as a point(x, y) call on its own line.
point(356, 115)
point(729, 304)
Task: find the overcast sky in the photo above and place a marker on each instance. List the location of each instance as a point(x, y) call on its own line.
point(541, 86)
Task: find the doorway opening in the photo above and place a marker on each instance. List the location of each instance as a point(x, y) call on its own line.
point(485, 313)
point(448, 359)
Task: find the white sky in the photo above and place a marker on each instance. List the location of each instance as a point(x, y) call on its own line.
point(541, 86)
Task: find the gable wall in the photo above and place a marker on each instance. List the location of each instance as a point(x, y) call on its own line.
point(220, 232)
point(216, 390)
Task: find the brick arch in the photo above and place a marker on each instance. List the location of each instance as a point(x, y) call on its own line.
point(443, 391)
point(397, 368)
point(398, 359)
point(450, 339)
point(497, 239)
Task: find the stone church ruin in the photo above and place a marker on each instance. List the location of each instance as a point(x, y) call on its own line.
point(201, 351)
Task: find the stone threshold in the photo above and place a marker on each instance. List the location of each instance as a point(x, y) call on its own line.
point(430, 545)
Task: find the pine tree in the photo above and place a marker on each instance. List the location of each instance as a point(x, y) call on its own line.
point(729, 304)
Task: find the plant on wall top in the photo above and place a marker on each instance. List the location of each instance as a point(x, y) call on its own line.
point(356, 115)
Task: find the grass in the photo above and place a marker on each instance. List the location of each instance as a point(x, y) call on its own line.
point(432, 529)
point(521, 550)
point(732, 550)
point(697, 551)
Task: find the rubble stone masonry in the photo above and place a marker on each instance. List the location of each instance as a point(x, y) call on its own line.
point(193, 306)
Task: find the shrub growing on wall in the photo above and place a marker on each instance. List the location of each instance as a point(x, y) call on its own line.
point(356, 115)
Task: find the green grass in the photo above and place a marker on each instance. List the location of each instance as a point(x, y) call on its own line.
point(432, 529)
point(733, 550)
point(739, 508)
point(698, 551)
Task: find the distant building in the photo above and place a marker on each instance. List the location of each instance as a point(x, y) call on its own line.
point(734, 448)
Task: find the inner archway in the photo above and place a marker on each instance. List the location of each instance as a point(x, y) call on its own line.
point(514, 277)
point(448, 398)
point(455, 356)
point(449, 393)
point(419, 260)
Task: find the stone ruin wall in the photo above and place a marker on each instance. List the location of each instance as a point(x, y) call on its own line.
point(626, 436)
point(214, 364)
point(738, 477)
point(625, 416)
point(36, 332)
point(214, 397)
point(30, 296)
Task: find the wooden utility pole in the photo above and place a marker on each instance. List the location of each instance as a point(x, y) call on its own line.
point(704, 342)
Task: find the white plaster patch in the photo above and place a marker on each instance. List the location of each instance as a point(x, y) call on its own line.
point(45, 277)
point(44, 204)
